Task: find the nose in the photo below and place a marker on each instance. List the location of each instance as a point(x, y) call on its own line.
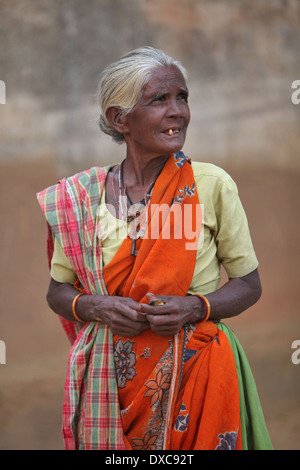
point(174, 108)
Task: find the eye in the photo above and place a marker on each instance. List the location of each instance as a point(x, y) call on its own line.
point(160, 98)
point(183, 96)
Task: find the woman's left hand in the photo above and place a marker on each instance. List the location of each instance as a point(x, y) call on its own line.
point(169, 318)
point(234, 297)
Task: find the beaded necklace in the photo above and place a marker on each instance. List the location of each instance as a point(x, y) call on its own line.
point(137, 213)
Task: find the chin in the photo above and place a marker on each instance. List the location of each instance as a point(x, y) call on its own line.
point(176, 148)
point(167, 148)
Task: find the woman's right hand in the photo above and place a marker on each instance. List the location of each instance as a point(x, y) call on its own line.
point(121, 314)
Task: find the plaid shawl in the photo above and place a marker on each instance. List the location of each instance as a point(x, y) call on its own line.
point(70, 208)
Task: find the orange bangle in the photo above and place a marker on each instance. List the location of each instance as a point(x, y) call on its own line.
point(205, 300)
point(74, 308)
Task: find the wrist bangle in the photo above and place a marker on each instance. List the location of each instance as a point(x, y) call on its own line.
point(207, 304)
point(74, 308)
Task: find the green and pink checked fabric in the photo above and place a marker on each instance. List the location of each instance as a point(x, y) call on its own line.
point(91, 413)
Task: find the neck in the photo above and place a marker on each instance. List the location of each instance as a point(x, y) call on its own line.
point(140, 172)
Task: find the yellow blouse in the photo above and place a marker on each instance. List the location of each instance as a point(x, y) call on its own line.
point(226, 238)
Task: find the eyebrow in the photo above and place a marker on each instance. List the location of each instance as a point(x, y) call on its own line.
point(165, 92)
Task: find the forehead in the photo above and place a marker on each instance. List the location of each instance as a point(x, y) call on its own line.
point(164, 78)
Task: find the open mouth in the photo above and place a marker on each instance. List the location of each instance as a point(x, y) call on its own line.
point(172, 131)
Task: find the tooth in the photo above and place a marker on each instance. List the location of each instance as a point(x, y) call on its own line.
point(170, 132)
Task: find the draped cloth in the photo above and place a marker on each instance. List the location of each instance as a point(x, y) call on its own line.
point(149, 392)
point(91, 410)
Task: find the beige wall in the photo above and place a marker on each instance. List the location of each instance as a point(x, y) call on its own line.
point(242, 57)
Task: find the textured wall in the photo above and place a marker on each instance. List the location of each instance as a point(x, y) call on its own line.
point(242, 57)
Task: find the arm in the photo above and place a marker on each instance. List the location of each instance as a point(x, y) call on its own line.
point(230, 300)
point(121, 314)
point(236, 296)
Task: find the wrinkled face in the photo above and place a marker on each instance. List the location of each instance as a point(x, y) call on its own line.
point(158, 123)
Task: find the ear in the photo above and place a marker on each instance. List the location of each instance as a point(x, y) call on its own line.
point(116, 119)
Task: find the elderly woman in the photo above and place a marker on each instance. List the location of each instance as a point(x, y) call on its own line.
point(135, 252)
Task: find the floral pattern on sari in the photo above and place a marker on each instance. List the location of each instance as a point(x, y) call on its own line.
point(157, 387)
point(186, 191)
point(227, 441)
point(125, 361)
point(180, 159)
point(157, 394)
point(182, 419)
point(145, 443)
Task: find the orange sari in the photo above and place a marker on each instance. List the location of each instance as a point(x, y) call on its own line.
point(176, 392)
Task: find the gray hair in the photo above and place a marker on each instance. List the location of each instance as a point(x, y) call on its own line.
point(122, 83)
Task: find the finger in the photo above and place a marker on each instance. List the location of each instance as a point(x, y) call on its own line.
point(155, 310)
point(161, 323)
point(136, 307)
point(157, 320)
point(131, 303)
point(134, 317)
point(123, 324)
point(130, 330)
point(150, 297)
point(130, 311)
point(154, 299)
